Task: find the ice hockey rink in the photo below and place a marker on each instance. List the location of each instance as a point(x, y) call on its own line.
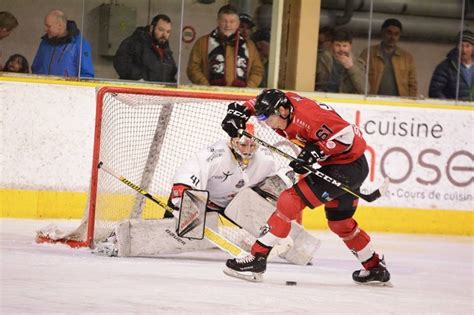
point(430, 275)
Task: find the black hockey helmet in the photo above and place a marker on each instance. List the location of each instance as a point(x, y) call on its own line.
point(268, 102)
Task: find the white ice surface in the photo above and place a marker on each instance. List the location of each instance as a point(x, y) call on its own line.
point(431, 275)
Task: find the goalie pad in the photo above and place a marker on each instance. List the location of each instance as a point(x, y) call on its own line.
point(150, 238)
point(273, 186)
point(251, 211)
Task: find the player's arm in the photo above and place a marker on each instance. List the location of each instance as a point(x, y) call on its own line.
point(339, 142)
point(124, 62)
point(334, 135)
point(327, 138)
point(192, 174)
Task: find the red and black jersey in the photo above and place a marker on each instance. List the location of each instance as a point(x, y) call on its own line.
point(316, 122)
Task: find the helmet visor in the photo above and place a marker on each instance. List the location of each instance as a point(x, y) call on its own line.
point(265, 115)
point(262, 117)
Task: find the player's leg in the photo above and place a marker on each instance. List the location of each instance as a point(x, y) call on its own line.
point(251, 211)
point(339, 213)
point(290, 203)
point(289, 206)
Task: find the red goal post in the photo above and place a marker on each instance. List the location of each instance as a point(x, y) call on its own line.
point(145, 134)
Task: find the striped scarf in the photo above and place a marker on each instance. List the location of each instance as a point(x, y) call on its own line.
point(216, 59)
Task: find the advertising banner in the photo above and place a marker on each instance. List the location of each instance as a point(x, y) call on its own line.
point(427, 154)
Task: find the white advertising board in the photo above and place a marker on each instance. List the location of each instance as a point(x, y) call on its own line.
point(427, 153)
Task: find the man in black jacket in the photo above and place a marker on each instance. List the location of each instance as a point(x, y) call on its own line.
point(145, 55)
point(445, 77)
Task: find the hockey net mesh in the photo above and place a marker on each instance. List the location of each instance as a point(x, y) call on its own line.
point(145, 138)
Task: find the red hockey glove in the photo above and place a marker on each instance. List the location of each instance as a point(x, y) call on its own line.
point(177, 193)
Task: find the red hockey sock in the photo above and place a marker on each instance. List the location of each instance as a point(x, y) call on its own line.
point(279, 224)
point(258, 248)
point(356, 239)
point(372, 262)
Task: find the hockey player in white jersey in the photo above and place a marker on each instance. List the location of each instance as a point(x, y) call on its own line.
point(243, 182)
point(225, 169)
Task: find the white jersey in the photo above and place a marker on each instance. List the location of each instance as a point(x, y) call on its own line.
point(216, 170)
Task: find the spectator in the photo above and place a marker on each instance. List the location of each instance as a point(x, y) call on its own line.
point(263, 16)
point(262, 41)
point(224, 57)
point(246, 25)
point(337, 71)
point(445, 77)
point(7, 23)
point(391, 69)
point(326, 34)
point(146, 54)
point(261, 37)
point(62, 51)
point(17, 63)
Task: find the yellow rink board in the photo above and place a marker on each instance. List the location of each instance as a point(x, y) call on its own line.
point(33, 204)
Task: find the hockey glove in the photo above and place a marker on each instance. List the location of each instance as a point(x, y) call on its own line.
point(237, 116)
point(177, 192)
point(307, 157)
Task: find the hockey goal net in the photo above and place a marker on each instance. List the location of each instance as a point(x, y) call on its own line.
point(145, 135)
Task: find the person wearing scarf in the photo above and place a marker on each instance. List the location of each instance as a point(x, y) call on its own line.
point(224, 57)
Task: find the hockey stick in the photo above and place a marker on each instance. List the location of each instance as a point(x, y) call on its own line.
point(209, 234)
point(369, 198)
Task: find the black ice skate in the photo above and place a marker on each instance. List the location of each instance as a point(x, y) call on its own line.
point(377, 275)
point(250, 267)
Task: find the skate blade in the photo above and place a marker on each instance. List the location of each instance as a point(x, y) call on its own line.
point(376, 284)
point(248, 276)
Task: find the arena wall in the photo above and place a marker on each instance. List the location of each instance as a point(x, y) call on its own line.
point(425, 148)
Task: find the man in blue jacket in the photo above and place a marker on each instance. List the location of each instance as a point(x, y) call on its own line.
point(445, 77)
point(63, 51)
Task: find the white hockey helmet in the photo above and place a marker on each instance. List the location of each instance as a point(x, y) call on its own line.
point(242, 147)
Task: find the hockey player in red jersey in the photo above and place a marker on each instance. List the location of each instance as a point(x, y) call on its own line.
point(339, 148)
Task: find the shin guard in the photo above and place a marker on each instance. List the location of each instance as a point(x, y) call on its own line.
point(278, 226)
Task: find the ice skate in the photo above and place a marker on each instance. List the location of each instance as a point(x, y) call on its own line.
point(250, 267)
point(377, 275)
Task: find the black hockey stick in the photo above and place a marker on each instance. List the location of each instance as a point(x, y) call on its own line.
point(209, 234)
point(369, 198)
